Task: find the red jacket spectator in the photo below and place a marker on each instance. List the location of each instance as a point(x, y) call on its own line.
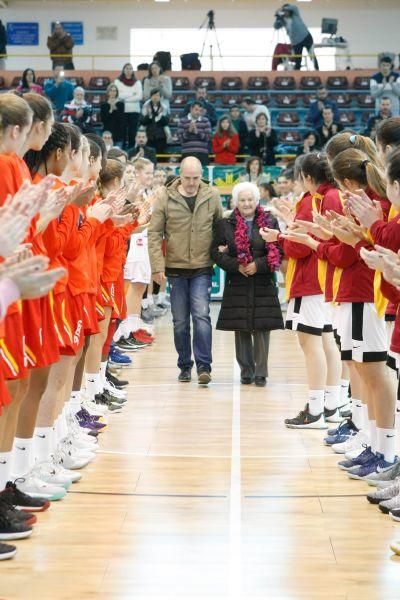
point(226, 143)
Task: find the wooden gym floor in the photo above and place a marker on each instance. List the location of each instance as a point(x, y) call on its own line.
point(203, 493)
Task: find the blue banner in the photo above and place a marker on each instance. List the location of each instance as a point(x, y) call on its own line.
point(75, 28)
point(22, 34)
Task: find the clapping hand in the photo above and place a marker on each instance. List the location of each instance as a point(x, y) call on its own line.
point(365, 210)
point(31, 277)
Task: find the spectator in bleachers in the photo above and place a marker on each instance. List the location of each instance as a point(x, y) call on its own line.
point(329, 126)
point(118, 154)
point(309, 144)
point(254, 171)
point(252, 110)
point(78, 112)
point(112, 114)
point(267, 192)
point(386, 83)
point(300, 37)
point(108, 139)
point(60, 42)
point(141, 149)
point(155, 117)
point(157, 80)
point(194, 133)
point(59, 90)
point(240, 125)
point(28, 83)
point(130, 91)
point(225, 143)
point(202, 99)
point(3, 48)
point(314, 116)
point(385, 112)
point(263, 140)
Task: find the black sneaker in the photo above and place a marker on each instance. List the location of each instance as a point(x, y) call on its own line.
point(118, 383)
point(114, 399)
point(19, 515)
point(12, 495)
point(11, 528)
point(305, 420)
point(7, 551)
point(126, 345)
point(246, 380)
point(138, 344)
point(203, 376)
point(105, 401)
point(185, 375)
point(261, 381)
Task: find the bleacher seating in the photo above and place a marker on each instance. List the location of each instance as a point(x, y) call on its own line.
point(337, 83)
point(284, 83)
point(180, 83)
point(288, 119)
point(99, 83)
point(207, 82)
point(310, 82)
point(286, 100)
point(231, 83)
point(258, 83)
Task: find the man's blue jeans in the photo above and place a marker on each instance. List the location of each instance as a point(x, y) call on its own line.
point(191, 297)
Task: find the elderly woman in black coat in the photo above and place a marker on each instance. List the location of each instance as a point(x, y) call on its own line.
point(250, 305)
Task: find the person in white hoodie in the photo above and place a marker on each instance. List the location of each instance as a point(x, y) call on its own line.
point(130, 91)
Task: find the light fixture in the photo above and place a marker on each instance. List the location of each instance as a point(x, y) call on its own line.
point(161, 0)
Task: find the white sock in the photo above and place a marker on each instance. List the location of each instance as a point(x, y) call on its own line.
point(344, 391)
point(74, 404)
point(134, 321)
point(316, 401)
point(161, 296)
point(119, 332)
point(150, 298)
point(373, 436)
point(103, 368)
point(366, 420)
point(145, 303)
point(5, 468)
point(332, 396)
point(61, 427)
point(22, 456)
point(357, 414)
point(92, 382)
point(43, 443)
point(398, 414)
point(387, 443)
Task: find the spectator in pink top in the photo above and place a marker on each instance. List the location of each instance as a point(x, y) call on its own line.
point(28, 83)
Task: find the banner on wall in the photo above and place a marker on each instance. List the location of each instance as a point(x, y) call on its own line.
point(22, 34)
point(229, 176)
point(75, 28)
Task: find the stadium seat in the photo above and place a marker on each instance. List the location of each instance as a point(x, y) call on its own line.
point(207, 82)
point(16, 81)
point(284, 83)
point(337, 83)
point(175, 117)
point(95, 99)
point(231, 83)
point(365, 101)
point(310, 82)
point(78, 81)
point(289, 137)
point(42, 80)
point(2, 83)
point(99, 83)
point(261, 98)
point(286, 100)
point(347, 118)
point(179, 100)
point(342, 100)
point(307, 99)
point(258, 83)
point(361, 83)
point(180, 83)
point(365, 116)
point(230, 99)
point(288, 119)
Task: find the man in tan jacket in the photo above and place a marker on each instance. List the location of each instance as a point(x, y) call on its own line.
point(60, 44)
point(184, 215)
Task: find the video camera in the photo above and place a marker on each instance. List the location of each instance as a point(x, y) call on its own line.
point(280, 15)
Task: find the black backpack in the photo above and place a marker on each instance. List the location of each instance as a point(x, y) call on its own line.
point(190, 62)
point(163, 59)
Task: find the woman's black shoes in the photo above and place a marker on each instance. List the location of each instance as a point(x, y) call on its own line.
point(246, 380)
point(261, 381)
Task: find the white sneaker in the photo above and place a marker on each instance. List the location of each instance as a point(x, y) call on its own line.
point(115, 391)
point(354, 443)
point(74, 476)
point(71, 459)
point(80, 444)
point(35, 487)
point(51, 473)
point(77, 432)
point(96, 410)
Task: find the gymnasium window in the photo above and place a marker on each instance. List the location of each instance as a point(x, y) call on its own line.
point(242, 49)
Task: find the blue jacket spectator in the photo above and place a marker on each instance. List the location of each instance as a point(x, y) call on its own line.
point(59, 90)
point(314, 116)
point(386, 83)
point(194, 132)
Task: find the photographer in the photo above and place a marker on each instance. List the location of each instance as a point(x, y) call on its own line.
point(300, 37)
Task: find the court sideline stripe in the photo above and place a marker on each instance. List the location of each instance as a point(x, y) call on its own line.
point(235, 507)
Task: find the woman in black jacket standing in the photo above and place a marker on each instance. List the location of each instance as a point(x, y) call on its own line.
point(263, 140)
point(250, 305)
point(112, 114)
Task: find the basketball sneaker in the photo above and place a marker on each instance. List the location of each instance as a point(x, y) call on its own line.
point(13, 495)
point(7, 551)
point(305, 420)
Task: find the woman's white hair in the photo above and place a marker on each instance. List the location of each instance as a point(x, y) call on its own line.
point(79, 89)
point(245, 186)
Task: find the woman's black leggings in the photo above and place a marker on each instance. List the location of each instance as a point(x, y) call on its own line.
point(307, 43)
point(131, 124)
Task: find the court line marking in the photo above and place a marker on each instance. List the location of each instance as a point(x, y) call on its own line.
point(235, 505)
point(256, 497)
point(271, 456)
point(130, 494)
point(214, 383)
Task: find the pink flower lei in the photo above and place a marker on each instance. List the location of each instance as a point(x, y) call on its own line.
point(242, 241)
